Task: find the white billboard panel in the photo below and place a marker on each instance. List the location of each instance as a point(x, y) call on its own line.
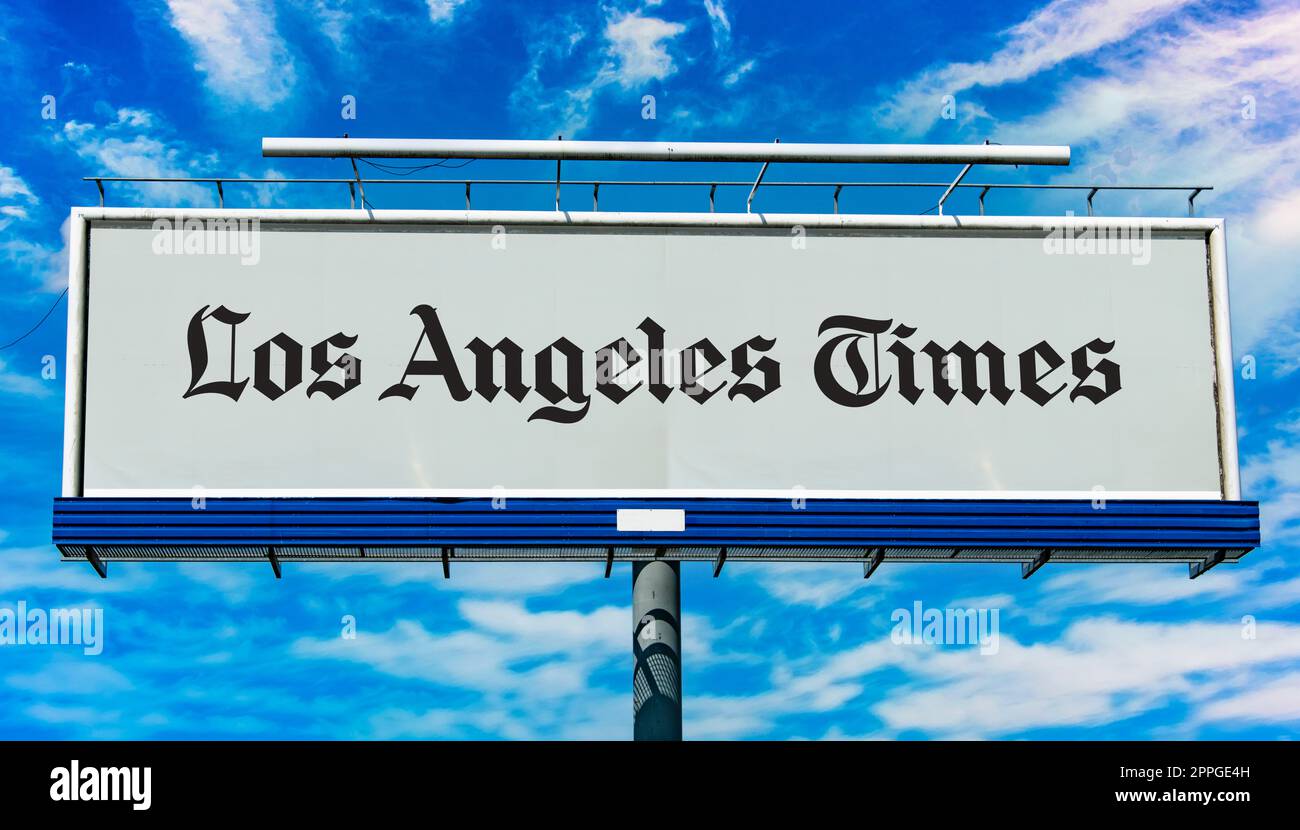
point(642, 356)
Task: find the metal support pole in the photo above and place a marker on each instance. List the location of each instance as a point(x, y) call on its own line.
point(952, 187)
point(656, 646)
point(749, 203)
point(360, 185)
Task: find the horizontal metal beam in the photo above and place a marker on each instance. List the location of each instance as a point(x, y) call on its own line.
point(640, 183)
point(1036, 224)
point(316, 529)
point(551, 150)
point(340, 552)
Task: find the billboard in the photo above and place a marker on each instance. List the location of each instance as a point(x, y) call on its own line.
point(456, 354)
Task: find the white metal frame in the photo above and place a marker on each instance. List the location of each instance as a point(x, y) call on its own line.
point(1217, 286)
point(712, 151)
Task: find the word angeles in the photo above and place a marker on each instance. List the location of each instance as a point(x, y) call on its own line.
point(56, 627)
point(847, 368)
point(77, 783)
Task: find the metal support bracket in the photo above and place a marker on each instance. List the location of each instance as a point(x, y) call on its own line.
point(99, 183)
point(872, 562)
point(275, 561)
point(749, 203)
point(467, 199)
point(557, 176)
point(953, 187)
point(96, 563)
point(1195, 569)
point(713, 189)
point(352, 195)
point(1091, 193)
point(446, 563)
point(1191, 205)
point(836, 197)
point(1027, 569)
point(595, 197)
point(983, 193)
point(719, 562)
point(360, 185)
point(609, 562)
point(221, 196)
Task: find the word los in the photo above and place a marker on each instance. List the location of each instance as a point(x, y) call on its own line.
point(559, 370)
point(77, 783)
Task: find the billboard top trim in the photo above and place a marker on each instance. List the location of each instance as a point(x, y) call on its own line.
point(556, 150)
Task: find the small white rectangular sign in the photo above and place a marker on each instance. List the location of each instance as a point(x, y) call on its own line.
point(439, 359)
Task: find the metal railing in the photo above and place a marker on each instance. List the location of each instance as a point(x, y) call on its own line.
point(836, 188)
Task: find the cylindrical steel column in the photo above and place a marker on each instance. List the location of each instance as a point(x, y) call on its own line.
point(657, 645)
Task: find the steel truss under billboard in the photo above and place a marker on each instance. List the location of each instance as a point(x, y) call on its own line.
point(349, 385)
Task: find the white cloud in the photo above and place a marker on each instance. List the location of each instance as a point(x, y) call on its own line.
point(1168, 105)
point(1098, 672)
point(29, 383)
point(442, 11)
point(639, 48)
point(1062, 30)
point(1274, 476)
point(136, 144)
point(241, 54)
point(632, 52)
point(47, 265)
point(739, 72)
point(28, 569)
point(1272, 701)
point(533, 670)
point(718, 22)
point(15, 197)
point(13, 188)
point(74, 677)
point(1077, 586)
point(481, 656)
point(500, 578)
point(333, 17)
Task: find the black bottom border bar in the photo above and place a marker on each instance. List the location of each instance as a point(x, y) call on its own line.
point(332, 779)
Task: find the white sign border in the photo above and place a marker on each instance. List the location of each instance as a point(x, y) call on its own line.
point(1217, 280)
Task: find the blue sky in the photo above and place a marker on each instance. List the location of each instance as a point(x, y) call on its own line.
point(1146, 91)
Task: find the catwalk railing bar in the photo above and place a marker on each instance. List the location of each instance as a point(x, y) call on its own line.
point(836, 188)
